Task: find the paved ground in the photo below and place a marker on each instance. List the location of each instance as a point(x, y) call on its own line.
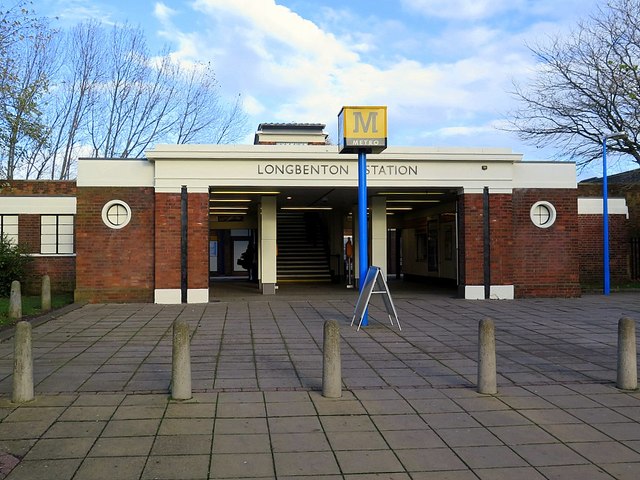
point(409, 408)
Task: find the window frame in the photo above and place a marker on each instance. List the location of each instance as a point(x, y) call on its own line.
point(535, 217)
point(13, 237)
point(116, 203)
point(57, 235)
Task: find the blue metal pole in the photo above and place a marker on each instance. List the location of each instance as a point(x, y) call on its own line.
point(605, 218)
point(363, 256)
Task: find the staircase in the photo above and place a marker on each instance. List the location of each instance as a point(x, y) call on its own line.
point(302, 254)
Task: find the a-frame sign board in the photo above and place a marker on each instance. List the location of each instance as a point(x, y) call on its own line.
point(374, 283)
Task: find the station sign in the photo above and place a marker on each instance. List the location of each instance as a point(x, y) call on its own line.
point(362, 129)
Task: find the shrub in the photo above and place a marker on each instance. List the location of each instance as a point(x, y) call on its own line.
point(12, 264)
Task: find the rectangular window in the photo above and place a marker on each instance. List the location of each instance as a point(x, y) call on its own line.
point(432, 246)
point(421, 246)
point(56, 234)
point(9, 227)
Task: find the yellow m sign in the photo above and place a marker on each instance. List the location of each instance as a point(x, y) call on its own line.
point(362, 128)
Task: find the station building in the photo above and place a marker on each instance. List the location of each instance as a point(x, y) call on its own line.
point(164, 228)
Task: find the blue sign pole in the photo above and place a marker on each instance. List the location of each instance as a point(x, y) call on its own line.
point(605, 220)
point(605, 210)
point(363, 256)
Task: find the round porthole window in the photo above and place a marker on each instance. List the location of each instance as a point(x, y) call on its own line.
point(116, 214)
point(543, 214)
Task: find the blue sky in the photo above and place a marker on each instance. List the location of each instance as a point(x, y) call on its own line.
point(444, 68)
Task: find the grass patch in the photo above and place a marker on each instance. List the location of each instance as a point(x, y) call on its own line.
point(31, 306)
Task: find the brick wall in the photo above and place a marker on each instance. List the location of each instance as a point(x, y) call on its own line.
point(29, 232)
point(502, 251)
point(198, 240)
point(538, 262)
point(591, 249)
point(546, 260)
point(472, 233)
point(167, 244)
point(631, 193)
point(65, 188)
point(115, 264)
point(621, 230)
point(61, 269)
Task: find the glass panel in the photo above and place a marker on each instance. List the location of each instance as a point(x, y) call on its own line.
point(65, 229)
point(432, 246)
point(48, 239)
point(10, 227)
point(213, 256)
point(48, 248)
point(117, 214)
point(65, 239)
point(65, 249)
point(48, 230)
point(239, 247)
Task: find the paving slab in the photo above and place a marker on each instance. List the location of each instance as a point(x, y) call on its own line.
point(409, 408)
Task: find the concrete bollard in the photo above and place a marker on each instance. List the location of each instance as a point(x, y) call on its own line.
point(181, 361)
point(627, 363)
point(45, 294)
point(331, 366)
point(15, 301)
point(22, 364)
point(487, 357)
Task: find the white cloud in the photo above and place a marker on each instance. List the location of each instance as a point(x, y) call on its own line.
point(252, 105)
point(70, 12)
point(460, 9)
point(290, 69)
point(162, 12)
point(278, 24)
point(320, 71)
point(462, 131)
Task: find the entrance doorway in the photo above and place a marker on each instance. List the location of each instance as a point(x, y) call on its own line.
point(232, 254)
point(306, 229)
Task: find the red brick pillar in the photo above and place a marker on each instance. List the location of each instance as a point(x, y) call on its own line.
point(471, 256)
point(198, 248)
point(501, 243)
point(167, 248)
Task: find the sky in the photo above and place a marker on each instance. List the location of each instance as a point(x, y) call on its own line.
point(444, 68)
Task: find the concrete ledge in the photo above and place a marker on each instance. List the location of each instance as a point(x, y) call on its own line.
point(496, 292)
point(198, 295)
point(167, 296)
point(173, 296)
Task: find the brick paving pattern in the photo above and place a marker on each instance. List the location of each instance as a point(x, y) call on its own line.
point(409, 408)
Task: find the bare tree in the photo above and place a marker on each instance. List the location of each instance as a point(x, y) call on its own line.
point(97, 90)
point(73, 97)
point(148, 99)
point(201, 103)
point(24, 80)
point(588, 85)
point(134, 96)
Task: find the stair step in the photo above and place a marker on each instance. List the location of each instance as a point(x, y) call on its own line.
point(300, 258)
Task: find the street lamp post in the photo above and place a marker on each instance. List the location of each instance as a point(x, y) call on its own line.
point(605, 210)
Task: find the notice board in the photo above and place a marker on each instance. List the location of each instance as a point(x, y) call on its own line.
point(374, 283)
